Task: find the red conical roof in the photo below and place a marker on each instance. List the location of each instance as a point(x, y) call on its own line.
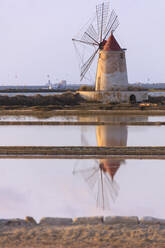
point(110, 167)
point(112, 44)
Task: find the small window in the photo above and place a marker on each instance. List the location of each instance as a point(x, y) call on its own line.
point(132, 99)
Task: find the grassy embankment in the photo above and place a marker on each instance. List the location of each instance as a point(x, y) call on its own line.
point(73, 104)
point(33, 151)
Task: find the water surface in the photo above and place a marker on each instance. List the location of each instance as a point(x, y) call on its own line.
point(70, 188)
point(161, 93)
point(94, 118)
point(82, 135)
point(58, 188)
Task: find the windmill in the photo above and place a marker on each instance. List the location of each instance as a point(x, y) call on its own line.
point(95, 36)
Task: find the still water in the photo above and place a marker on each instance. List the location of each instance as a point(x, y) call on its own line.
point(161, 93)
point(69, 188)
point(85, 118)
point(82, 136)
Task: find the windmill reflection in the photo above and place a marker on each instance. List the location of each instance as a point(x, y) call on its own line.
point(104, 188)
point(101, 176)
point(109, 136)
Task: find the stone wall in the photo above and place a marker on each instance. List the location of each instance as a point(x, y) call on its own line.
point(114, 96)
point(108, 220)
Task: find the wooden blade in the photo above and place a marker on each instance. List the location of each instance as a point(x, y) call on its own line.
point(90, 35)
point(102, 12)
point(87, 65)
point(112, 24)
point(85, 42)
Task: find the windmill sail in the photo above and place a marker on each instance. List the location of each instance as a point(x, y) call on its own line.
point(95, 35)
point(85, 67)
point(90, 35)
point(85, 42)
point(102, 12)
point(112, 24)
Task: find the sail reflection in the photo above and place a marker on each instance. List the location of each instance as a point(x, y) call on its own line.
point(101, 176)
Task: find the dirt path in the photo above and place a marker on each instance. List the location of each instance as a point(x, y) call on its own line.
point(46, 112)
point(81, 236)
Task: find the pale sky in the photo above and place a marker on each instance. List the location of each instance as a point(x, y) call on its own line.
point(36, 39)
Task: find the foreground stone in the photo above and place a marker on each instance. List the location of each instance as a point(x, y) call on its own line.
point(3, 222)
point(88, 220)
point(121, 220)
point(30, 220)
point(13, 222)
point(151, 221)
point(56, 221)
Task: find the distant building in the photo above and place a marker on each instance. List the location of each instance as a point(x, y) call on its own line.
point(62, 86)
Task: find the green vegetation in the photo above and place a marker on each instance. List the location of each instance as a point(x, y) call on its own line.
point(87, 88)
point(136, 88)
point(70, 103)
point(156, 99)
point(67, 98)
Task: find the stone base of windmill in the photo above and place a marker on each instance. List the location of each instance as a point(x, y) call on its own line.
point(115, 96)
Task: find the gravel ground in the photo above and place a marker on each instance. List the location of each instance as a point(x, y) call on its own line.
point(82, 236)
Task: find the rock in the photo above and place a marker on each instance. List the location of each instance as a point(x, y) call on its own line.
point(147, 220)
point(121, 220)
point(30, 220)
point(3, 221)
point(15, 222)
point(56, 221)
point(88, 220)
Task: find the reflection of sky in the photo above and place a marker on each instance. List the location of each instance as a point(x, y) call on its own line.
point(48, 188)
point(71, 135)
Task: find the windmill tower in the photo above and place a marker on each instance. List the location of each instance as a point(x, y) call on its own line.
point(112, 69)
point(111, 136)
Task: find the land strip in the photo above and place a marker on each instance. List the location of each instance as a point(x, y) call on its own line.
point(80, 123)
point(86, 152)
point(84, 157)
point(49, 112)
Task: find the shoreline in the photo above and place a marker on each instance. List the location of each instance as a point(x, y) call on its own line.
point(48, 112)
point(80, 123)
point(45, 152)
point(91, 232)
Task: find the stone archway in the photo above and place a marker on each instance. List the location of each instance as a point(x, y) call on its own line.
point(132, 99)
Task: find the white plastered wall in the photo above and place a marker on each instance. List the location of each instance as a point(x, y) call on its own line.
point(111, 71)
